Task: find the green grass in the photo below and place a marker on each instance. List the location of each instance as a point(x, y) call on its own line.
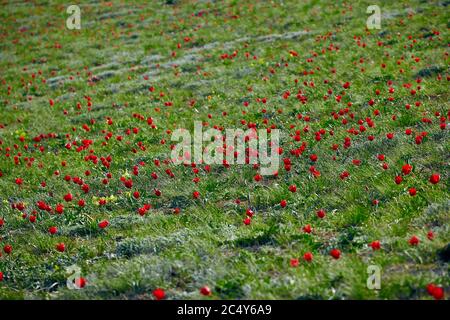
point(208, 243)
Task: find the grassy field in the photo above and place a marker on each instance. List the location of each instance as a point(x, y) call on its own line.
point(85, 144)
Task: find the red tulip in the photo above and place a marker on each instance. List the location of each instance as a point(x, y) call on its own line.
point(7, 248)
point(1, 276)
point(293, 188)
point(398, 179)
point(412, 191)
point(68, 197)
point(159, 294)
point(435, 177)
point(103, 224)
point(435, 291)
point(335, 253)
point(414, 241)
point(61, 247)
point(406, 169)
point(321, 213)
point(59, 208)
point(307, 228)
point(206, 291)
point(344, 175)
point(430, 235)
point(247, 221)
point(308, 256)
point(196, 194)
point(80, 282)
point(294, 262)
point(53, 230)
point(283, 203)
point(375, 245)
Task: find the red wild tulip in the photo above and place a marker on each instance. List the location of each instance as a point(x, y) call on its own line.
point(53, 230)
point(103, 224)
point(1, 276)
point(344, 175)
point(61, 247)
point(283, 203)
point(294, 262)
point(59, 208)
point(196, 194)
point(307, 228)
point(142, 211)
point(438, 293)
point(7, 249)
point(430, 235)
point(435, 177)
point(435, 291)
point(375, 245)
point(308, 256)
point(80, 282)
point(159, 294)
point(321, 213)
point(206, 291)
point(335, 253)
point(293, 188)
point(414, 241)
point(68, 197)
point(412, 191)
point(247, 221)
point(406, 169)
point(430, 287)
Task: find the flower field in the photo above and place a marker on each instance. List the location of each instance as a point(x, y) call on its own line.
point(94, 205)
